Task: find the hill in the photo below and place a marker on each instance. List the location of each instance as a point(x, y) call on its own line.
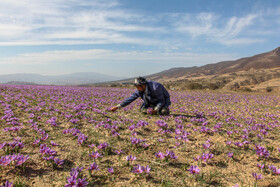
point(269, 60)
point(242, 74)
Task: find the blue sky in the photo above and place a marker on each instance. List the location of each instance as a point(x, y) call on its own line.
point(132, 37)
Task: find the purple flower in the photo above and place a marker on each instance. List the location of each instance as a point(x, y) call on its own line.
point(230, 154)
point(20, 159)
point(93, 166)
point(261, 151)
point(115, 133)
point(194, 170)
point(160, 155)
point(71, 181)
point(45, 137)
point(95, 155)
point(58, 161)
point(81, 138)
point(170, 154)
point(206, 146)
point(53, 143)
point(257, 177)
point(36, 142)
point(48, 158)
point(261, 166)
point(130, 158)
point(137, 169)
point(92, 145)
point(3, 145)
point(206, 156)
point(146, 169)
point(7, 184)
point(119, 152)
point(111, 170)
point(82, 182)
point(103, 145)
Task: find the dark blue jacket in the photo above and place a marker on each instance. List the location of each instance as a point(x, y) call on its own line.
point(157, 96)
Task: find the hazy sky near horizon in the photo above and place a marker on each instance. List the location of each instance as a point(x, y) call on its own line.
point(132, 37)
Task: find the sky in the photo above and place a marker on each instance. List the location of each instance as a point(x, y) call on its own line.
point(128, 38)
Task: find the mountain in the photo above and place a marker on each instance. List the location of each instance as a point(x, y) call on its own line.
point(81, 78)
point(267, 60)
point(256, 73)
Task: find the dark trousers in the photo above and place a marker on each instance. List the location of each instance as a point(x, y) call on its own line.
point(163, 111)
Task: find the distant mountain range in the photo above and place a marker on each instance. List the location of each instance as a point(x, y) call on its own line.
point(267, 60)
point(81, 78)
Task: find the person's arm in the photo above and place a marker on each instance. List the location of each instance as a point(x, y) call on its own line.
point(127, 101)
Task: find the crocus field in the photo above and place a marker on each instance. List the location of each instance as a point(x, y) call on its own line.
point(66, 136)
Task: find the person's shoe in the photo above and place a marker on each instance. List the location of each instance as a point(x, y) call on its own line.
point(164, 111)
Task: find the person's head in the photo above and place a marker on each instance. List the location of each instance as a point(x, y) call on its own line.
point(140, 84)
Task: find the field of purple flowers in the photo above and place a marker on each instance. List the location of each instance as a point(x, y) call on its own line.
point(66, 136)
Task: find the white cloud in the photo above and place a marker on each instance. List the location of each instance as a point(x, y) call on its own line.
point(68, 22)
point(209, 25)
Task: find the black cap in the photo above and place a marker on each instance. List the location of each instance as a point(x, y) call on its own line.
point(140, 81)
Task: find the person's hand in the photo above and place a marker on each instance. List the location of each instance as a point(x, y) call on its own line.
point(153, 112)
point(113, 109)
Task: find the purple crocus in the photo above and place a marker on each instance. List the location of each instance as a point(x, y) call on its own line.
point(261, 166)
point(230, 154)
point(53, 143)
point(119, 152)
point(7, 184)
point(71, 181)
point(146, 169)
point(111, 170)
point(58, 161)
point(82, 182)
point(160, 155)
point(137, 169)
point(93, 166)
point(95, 155)
point(103, 145)
point(207, 145)
point(257, 177)
point(36, 142)
point(130, 158)
point(194, 170)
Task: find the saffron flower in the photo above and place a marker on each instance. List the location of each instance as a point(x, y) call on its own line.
point(230, 154)
point(194, 170)
point(111, 170)
point(137, 169)
point(58, 161)
point(119, 152)
point(7, 184)
point(257, 177)
point(82, 182)
point(130, 158)
point(160, 155)
point(95, 155)
point(146, 169)
point(261, 166)
point(53, 143)
point(92, 145)
point(93, 166)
